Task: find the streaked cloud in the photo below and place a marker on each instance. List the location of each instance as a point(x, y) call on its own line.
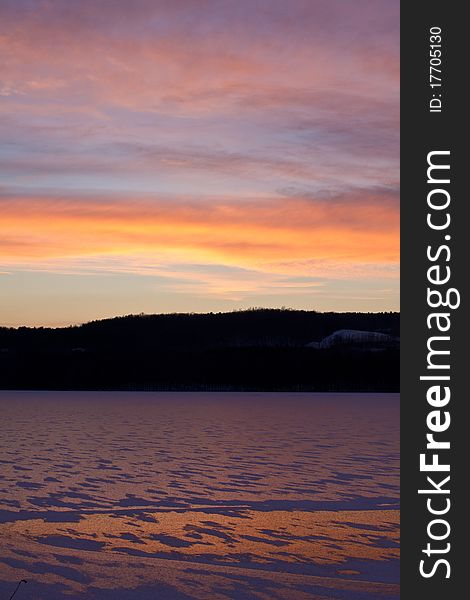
point(142, 138)
point(361, 228)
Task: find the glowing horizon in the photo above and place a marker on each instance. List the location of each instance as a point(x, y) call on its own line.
point(197, 156)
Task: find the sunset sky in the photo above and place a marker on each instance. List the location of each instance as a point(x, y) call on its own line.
point(209, 155)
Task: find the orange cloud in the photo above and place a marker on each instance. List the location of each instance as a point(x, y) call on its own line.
point(242, 233)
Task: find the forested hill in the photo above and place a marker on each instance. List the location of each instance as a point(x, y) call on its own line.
point(254, 349)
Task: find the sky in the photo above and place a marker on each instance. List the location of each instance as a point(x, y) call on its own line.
point(193, 156)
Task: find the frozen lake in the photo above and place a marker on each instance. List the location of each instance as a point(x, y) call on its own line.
point(207, 496)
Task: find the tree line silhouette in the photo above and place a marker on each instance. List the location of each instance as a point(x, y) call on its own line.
point(257, 349)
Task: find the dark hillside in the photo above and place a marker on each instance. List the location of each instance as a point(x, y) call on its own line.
point(255, 349)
